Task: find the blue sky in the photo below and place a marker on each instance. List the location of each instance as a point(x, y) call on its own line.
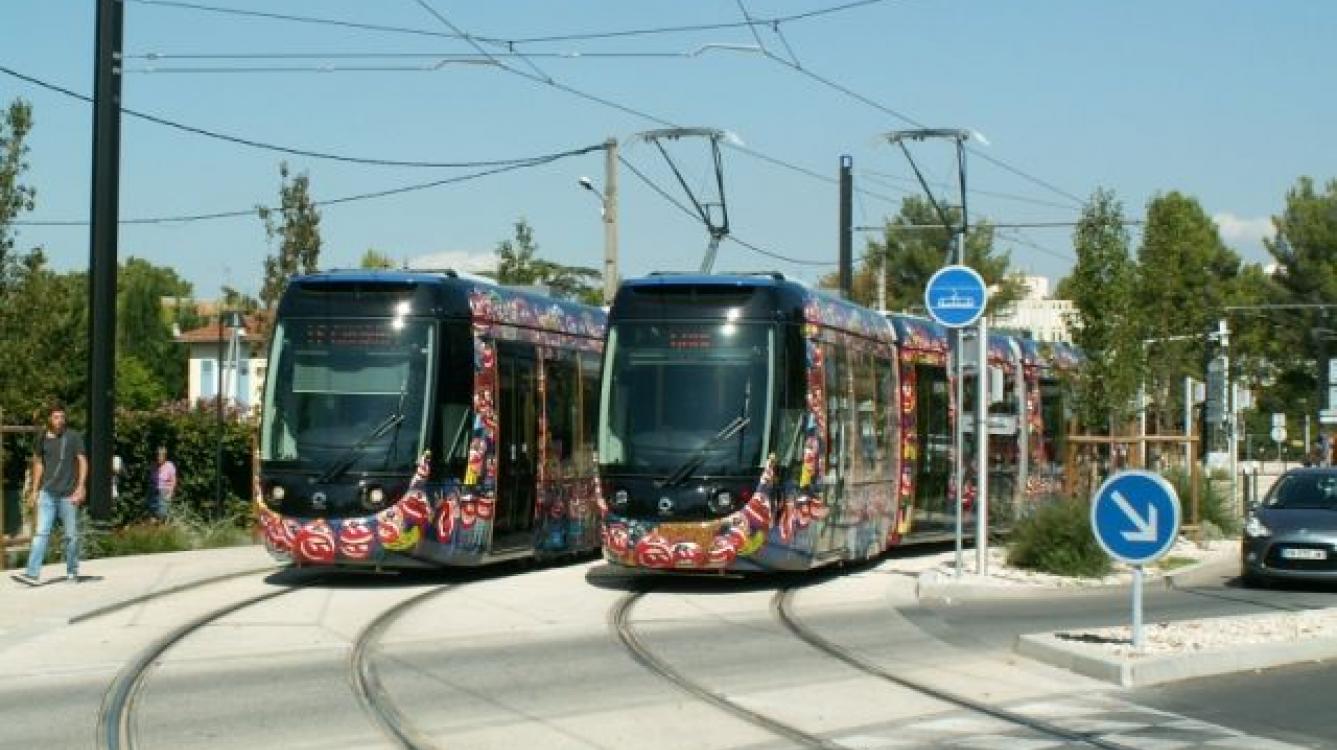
point(1226, 100)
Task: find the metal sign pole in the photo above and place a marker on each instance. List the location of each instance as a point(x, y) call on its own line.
point(1137, 607)
point(982, 452)
point(958, 443)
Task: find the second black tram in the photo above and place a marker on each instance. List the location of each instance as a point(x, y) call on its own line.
point(418, 419)
point(749, 423)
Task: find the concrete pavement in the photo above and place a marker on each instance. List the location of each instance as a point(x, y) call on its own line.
point(109, 583)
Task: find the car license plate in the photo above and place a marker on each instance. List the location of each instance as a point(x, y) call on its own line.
point(1293, 553)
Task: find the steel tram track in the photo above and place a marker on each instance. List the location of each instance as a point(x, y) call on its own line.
point(116, 728)
point(620, 620)
point(366, 680)
point(780, 605)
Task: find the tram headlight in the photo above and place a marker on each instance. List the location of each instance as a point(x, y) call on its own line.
point(721, 502)
point(373, 497)
point(620, 499)
point(276, 495)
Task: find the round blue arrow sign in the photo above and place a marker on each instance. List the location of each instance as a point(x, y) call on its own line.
point(1135, 516)
point(955, 296)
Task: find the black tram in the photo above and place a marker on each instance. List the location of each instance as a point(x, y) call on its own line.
point(418, 419)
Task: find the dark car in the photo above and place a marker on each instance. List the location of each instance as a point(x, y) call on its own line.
point(1292, 534)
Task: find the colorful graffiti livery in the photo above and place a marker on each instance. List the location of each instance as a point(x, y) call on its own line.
point(473, 384)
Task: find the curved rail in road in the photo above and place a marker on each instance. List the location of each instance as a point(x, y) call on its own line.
point(781, 605)
point(366, 679)
point(115, 726)
point(620, 620)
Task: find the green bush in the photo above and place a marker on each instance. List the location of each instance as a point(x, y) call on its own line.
point(1057, 539)
point(140, 538)
point(191, 434)
point(1213, 504)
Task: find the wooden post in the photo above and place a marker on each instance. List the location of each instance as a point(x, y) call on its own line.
point(4, 527)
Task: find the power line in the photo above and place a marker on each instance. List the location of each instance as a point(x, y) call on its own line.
point(1018, 238)
point(190, 218)
point(873, 175)
point(649, 31)
point(697, 219)
point(291, 151)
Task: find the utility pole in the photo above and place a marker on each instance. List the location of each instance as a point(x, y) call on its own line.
point(610, 220)
point(105, 215)
point(846, 227)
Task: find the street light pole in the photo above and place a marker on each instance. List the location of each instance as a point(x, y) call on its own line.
point(608, 211)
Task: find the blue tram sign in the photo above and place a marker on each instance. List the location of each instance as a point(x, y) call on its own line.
point(956, 296)
point(1135, 516)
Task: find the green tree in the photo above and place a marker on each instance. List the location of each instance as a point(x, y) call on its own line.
point(1105, 328)
point(15, 196)
point(913, 247)
point(1305, 249)
point(374, 258)
point(144, 325)
point(518, 264)
point(137, 385)
point(1185, 277)
point(295, 224)
point(44, 340)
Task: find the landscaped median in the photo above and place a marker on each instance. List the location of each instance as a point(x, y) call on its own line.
point(1189, 648)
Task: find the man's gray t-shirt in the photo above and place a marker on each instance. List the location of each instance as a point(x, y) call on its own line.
point(60, 462)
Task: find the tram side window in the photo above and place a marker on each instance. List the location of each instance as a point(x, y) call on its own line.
point(886, 415)
point(934, 431)
point(867, 460)
point(588, 413)
point(563, 381)
point(455, 390)
point(793, 401)
point(837, 412)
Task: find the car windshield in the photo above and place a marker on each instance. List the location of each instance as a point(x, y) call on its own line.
point(1305, 491)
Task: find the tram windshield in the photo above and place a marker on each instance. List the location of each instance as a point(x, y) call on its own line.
point(348, 394)
point(684, 399)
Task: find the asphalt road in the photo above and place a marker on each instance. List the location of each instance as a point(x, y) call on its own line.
point(1292, 704)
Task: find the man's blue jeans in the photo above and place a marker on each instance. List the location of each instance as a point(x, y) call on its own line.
point(47, 505)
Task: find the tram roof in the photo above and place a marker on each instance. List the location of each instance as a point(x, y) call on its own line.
point(442, 293)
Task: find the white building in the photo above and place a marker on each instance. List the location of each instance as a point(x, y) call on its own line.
point(1046, 319)
point(230, 361)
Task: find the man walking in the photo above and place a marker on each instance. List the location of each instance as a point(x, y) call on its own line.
point(60, 469)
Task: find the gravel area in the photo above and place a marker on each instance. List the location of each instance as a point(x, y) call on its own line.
point(1184, 552)
point(1214, 634)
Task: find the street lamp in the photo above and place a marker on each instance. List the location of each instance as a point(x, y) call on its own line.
point(608, 212)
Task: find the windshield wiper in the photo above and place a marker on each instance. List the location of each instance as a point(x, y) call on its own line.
point(699, 455)
point(350, 455)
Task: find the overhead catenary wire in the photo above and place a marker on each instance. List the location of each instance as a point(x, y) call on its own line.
point(661, 192)
point(293, 151)
point(190, 218)
point(579, 36)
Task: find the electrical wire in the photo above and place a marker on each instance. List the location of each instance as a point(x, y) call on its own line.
point(650, 31)
point(697, 219)
point(291, 151)
point(190, 218)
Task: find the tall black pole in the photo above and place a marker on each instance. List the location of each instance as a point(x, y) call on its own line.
point(218, 455)
point(846, 228)
point(105, 214)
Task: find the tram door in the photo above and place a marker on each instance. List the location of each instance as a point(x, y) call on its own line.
point(517, 446)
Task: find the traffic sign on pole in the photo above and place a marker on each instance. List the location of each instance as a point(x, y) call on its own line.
point(956, 296)
point(1135, 517)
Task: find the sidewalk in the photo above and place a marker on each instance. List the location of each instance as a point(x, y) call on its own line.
point(106, 583)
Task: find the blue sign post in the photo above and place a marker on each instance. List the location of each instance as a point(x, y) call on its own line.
point(955, 296)
point(1135, 516)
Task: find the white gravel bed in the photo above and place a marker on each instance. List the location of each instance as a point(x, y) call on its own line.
point(1213, 634)
point(1002, 574)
